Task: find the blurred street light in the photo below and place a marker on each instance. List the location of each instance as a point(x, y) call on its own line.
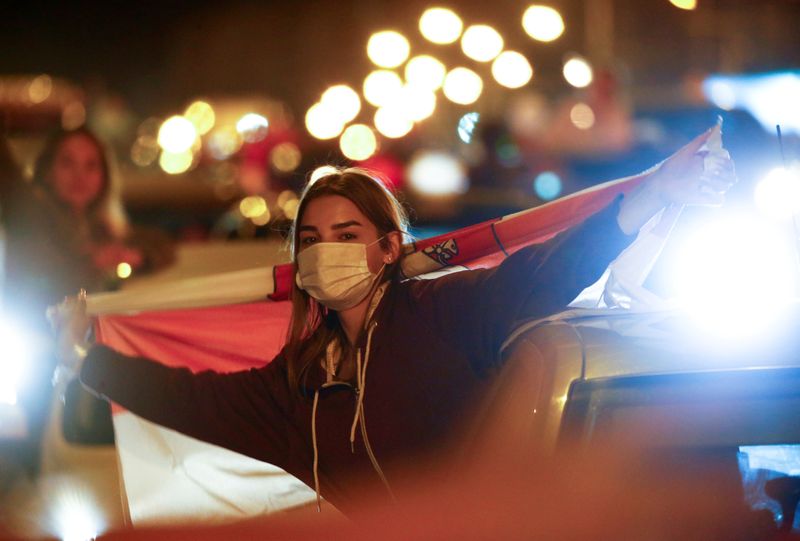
point(343, 99)
point(582, 116)
point(425, 71)
point(684, 4)
point(543, 23)
point(440, 25)
point(201, 115)
point(391, 121)
point(388, 49)
point(578, 72)
point(358, 142)
point(512, 70)
point(322, 122)
point(176, 135)
point(481, 42)
point(463, 86)
point(252, 127)
point(382, 87)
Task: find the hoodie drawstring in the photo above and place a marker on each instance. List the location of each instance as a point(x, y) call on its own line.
point(316, 449)
point(361, 382)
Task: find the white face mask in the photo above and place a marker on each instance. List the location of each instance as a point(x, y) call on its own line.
point(336, 273)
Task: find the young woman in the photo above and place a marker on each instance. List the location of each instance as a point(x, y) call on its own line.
point(377, 373)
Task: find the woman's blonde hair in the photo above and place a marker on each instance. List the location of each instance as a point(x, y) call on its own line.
point(312, 326)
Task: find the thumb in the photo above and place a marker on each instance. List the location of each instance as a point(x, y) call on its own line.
point(694, 145)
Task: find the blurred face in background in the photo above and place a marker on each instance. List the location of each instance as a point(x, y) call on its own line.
point(77, 174)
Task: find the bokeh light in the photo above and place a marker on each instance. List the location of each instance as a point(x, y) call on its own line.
point(322, 171)
point(436, 173)
point(381, 87)
point(284, 197)
point(144, 151)
point(425, 71)
point(547, 185)
point(684, 4)
point(388, 49)
point(285, 157)
point(175, 163)
point(466, 126)
point(578, 72)
point(124, 270)
point(392, 122)
point(176, 135)
point(252, 127)
point(224, 142)
point(511, 69)
point(253, 206)
point(543, 23)
point(201, 115)
point(322, 122)
point(582, 116)
point(73, 116)
point(40, 88)
point(358, 142)
point(417, 103)
point(463, 86)
point(440, 25)
point(481, 42)
point(343, 99)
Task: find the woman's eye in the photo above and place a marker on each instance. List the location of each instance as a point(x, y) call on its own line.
point(347, 236)
point(308, 240)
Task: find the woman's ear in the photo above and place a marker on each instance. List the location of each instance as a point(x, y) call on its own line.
point(392, 252)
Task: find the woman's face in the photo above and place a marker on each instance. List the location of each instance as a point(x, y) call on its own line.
point(77, 175)
point(333, 218)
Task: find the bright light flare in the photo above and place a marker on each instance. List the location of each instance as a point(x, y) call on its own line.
point(512, 70)
point(381, 87)
point(437, 174)
point(252, 127)
point(73, 513)
point(463, 86)
point(736, 277)
point(578, 72)
point(543, 23)
point(16, 356)
point(481, 42)
point(426, 72)
point(358, 142)
point(388, 49)
point(177, 134)
point(778, 193)
point(440, 25)
point(343, 99)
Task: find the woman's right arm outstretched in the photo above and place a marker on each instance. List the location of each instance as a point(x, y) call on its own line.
point(243, 411)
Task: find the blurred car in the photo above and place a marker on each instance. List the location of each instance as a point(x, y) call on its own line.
point(682, 400)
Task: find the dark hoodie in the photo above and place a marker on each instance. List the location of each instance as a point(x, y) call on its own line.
point(431, 346)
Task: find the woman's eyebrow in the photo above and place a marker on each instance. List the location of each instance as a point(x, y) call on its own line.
point(345, 224)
